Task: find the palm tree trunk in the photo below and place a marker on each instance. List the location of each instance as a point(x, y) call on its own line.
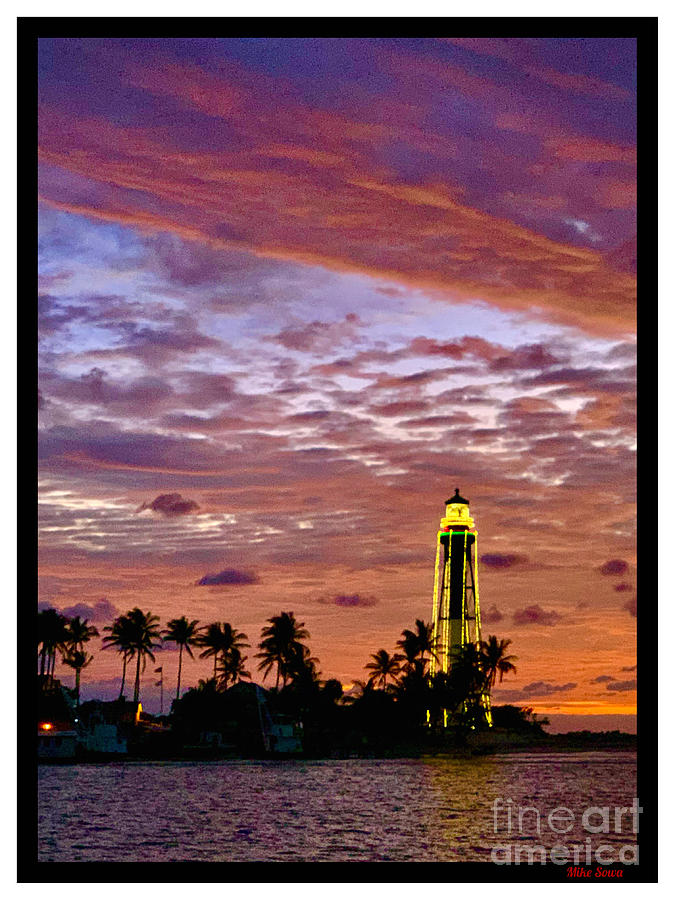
point(215, 662)
point(42, 660)
point(124, 674)
point(180, 665)
point(137, 685)
point(77, 688)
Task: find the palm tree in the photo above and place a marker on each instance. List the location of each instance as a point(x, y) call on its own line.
point(417, 643)
point(358, 690)
point(231, 668)
point(78, 660)
point(144, 638)
point(220, 639)
point(495, 661)
point(383, 666)
point(78, 633)
point(279, 644)
point(52, 635)
point(184, 634)
point(121, 638)
point(301, 667)
point(42, 636)
point(212, 640)
point(466, 681)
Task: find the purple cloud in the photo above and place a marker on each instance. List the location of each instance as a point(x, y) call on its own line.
point(101, 611)
point(623, 685)
point(502, 560)
point(228, 576)
point(492, 615)
point(535, 615)
point(614, 567)
point(536, 689)
point(622, 587)
point(528, 356)
point(601, 678)
point(349, 600)
point(631, 606)
point(171, 505)
point(318, 336)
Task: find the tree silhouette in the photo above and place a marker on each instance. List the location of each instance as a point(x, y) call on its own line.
point(495, 660)
point(184, 634)
point(145, 638)
point(417, 643)
point(220, 640)
point(121, 638)
point(281, 646)
point(212, 641)
point(78, 660)
point(52, 636)
point(383, 666)
point(231, 668)
point(78, 633)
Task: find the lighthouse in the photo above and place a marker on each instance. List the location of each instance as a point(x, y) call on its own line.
point(456, 610)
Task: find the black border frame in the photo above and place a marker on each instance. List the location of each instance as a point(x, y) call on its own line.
point(29, 31)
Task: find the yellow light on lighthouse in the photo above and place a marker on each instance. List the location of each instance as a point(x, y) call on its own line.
point(456, 612)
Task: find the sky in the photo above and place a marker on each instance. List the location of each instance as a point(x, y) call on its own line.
point(291, 294)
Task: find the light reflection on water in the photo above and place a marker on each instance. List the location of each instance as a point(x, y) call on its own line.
point(432, 810)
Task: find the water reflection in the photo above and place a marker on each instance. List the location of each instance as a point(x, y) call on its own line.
point(331, 810)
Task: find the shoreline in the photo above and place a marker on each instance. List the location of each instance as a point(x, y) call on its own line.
point(572, 743)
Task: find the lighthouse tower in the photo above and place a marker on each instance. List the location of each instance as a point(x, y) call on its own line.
point(456, 612)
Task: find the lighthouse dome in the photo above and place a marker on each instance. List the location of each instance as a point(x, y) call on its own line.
point(457, 498)
point(457, 513)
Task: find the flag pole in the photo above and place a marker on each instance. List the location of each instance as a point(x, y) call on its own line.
point(160, 683)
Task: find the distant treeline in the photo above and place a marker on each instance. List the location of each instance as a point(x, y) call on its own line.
point(401, 691)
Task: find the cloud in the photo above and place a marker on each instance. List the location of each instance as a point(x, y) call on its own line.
point(629, 668)
point(601, 678)
point(358, 204)
point(95, 388)
point(537, 689)
point(614, 567)
point(319, 337)
point(526, 55)
point(530, 356)
point(491, 615)
point(502, 560)
point(535, 615)
point(623, 685)
point(623, 587)
point(349, 600)
point(631, 606)
point(590, 151)
point(101, 611)
point(174, 365)
point(229, 576)
point(400, 408)
point(171, 505)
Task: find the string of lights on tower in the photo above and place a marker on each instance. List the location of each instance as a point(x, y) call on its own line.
point(456, 608)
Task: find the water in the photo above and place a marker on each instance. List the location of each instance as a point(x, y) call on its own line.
point(434, 810)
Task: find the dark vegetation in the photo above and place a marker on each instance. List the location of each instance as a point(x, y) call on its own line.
point(399, 710)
